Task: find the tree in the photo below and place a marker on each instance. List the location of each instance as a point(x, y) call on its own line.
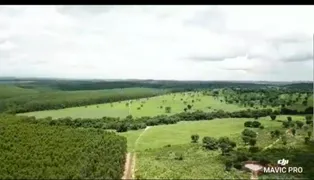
point(289, 118)
point(185, 109)
point(273, 117)
point(168, 109)
point(284, 139)
point(299, 124)
point(293, 131)
point(256, 124)
point(195, 138)
point(248, 124)
point(210, 143)
point(252, 141)
point(246, 139)
point(189, 106)
point(249, 133)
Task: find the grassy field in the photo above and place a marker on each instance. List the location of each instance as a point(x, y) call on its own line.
point(148, 107)
point(159, 136)
point(159, 146)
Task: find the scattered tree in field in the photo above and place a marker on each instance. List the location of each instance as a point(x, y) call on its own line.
point(193, 101)
point(248, 124)
point(185, 109)
point(139, 108)
point(256, 124)
point(189, 106)
point(261, 127)
point(293, 131)
point(141, 105)
point(249, 133)
point(161, 107)
point(299, 124)
point(168, 109)
point(289, 118)
point(126, 104)
point(284, 139)
point(273, 117)
point(195, 138)
point(210, 143)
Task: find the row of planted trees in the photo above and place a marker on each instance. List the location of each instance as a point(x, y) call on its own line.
point(36, 151)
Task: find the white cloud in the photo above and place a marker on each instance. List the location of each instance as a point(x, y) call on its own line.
point(159, 42)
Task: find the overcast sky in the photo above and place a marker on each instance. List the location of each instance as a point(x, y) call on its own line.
point(158, 42)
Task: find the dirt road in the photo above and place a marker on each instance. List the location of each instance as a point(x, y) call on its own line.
point(130, 160)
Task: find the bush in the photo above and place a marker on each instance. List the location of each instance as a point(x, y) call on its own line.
point(238, 165)
point(289, 118)
point(261, 127)
point(248, 124)
point(210, 143)
point(195, 138)
point(256, 124)
point(249, 133)
point(168, 109)
point(228, 165)
point(306, 140)
point(299, 124)
point(273, 117)
point(254, 149)
point(293, 131)
point(252, 141)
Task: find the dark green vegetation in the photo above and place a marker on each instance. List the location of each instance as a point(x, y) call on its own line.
point(35, 151)
point(18, 100)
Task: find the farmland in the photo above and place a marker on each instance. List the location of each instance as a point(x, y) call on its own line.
point(141, 107)
point(166, 132)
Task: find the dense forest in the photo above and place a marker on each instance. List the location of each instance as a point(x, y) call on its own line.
point(26, 101)
point(36, 151)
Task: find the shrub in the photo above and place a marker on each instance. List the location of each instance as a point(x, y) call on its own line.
point(299, 124)
point(210, 143)
point(249, 133)
point(273, 117)
point(306, 140)
point(248, 124)
point(293, 131)
point(253, 149)
point(252, 141)
point(289, 118)
point(261, 127)
point(256, 124)
point(228, 165)
point(195, 138)
point(168, 109)
point(238, 165)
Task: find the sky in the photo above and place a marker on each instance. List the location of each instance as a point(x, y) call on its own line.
point(269, 43)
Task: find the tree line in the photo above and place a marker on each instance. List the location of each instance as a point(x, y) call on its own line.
point(130, 123)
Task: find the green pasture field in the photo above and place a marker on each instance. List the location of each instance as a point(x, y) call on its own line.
point(159, 136)
point(158, 147)
point(151, 107)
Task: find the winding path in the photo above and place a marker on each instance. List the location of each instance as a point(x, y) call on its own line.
point(130, 160)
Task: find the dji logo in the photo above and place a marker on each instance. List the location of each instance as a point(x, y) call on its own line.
point(283, 162)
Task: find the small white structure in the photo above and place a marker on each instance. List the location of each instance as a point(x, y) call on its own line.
point(254, 167)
